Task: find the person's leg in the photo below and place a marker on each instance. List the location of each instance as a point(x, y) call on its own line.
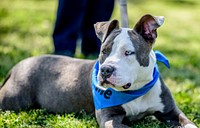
point(67, 26)
point(98, 10)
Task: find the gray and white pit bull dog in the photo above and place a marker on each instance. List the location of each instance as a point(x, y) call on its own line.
point(126, 63)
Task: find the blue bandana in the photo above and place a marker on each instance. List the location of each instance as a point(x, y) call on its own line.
point(110, 97)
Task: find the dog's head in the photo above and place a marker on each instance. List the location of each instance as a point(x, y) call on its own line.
point(126, 58)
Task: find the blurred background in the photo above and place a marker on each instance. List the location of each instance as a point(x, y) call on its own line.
point(26, 28)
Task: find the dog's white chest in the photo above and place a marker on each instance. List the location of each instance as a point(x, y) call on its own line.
point(147, 104)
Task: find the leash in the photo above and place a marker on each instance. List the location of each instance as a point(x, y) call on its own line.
point(124, 13)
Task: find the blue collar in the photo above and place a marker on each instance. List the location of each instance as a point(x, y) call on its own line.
point(110, 97)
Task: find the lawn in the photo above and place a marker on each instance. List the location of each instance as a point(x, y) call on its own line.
point(26, 28)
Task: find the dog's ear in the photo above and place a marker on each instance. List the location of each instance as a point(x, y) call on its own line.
point(103, 29)
point(147, 27)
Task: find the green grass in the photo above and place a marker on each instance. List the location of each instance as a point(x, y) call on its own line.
point(26, 28)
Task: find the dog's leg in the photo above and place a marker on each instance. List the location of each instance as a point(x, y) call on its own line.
point(185, 122)
point(172, 114)
point(14, 95)
point(111, 117)
point(175, 118)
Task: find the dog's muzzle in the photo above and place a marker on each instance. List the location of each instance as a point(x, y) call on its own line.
point(106, 72)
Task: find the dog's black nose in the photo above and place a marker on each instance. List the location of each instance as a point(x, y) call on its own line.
point(106, 71)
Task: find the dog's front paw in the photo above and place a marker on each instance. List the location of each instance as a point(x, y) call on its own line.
point(190, 126)
point(110, 124)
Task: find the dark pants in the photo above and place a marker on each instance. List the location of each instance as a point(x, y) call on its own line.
point(76, 18)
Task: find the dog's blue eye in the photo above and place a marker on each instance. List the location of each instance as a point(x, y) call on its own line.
point(103, 51)
point(127, 53)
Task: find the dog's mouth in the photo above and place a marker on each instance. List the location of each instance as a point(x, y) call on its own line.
point(109, 84)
